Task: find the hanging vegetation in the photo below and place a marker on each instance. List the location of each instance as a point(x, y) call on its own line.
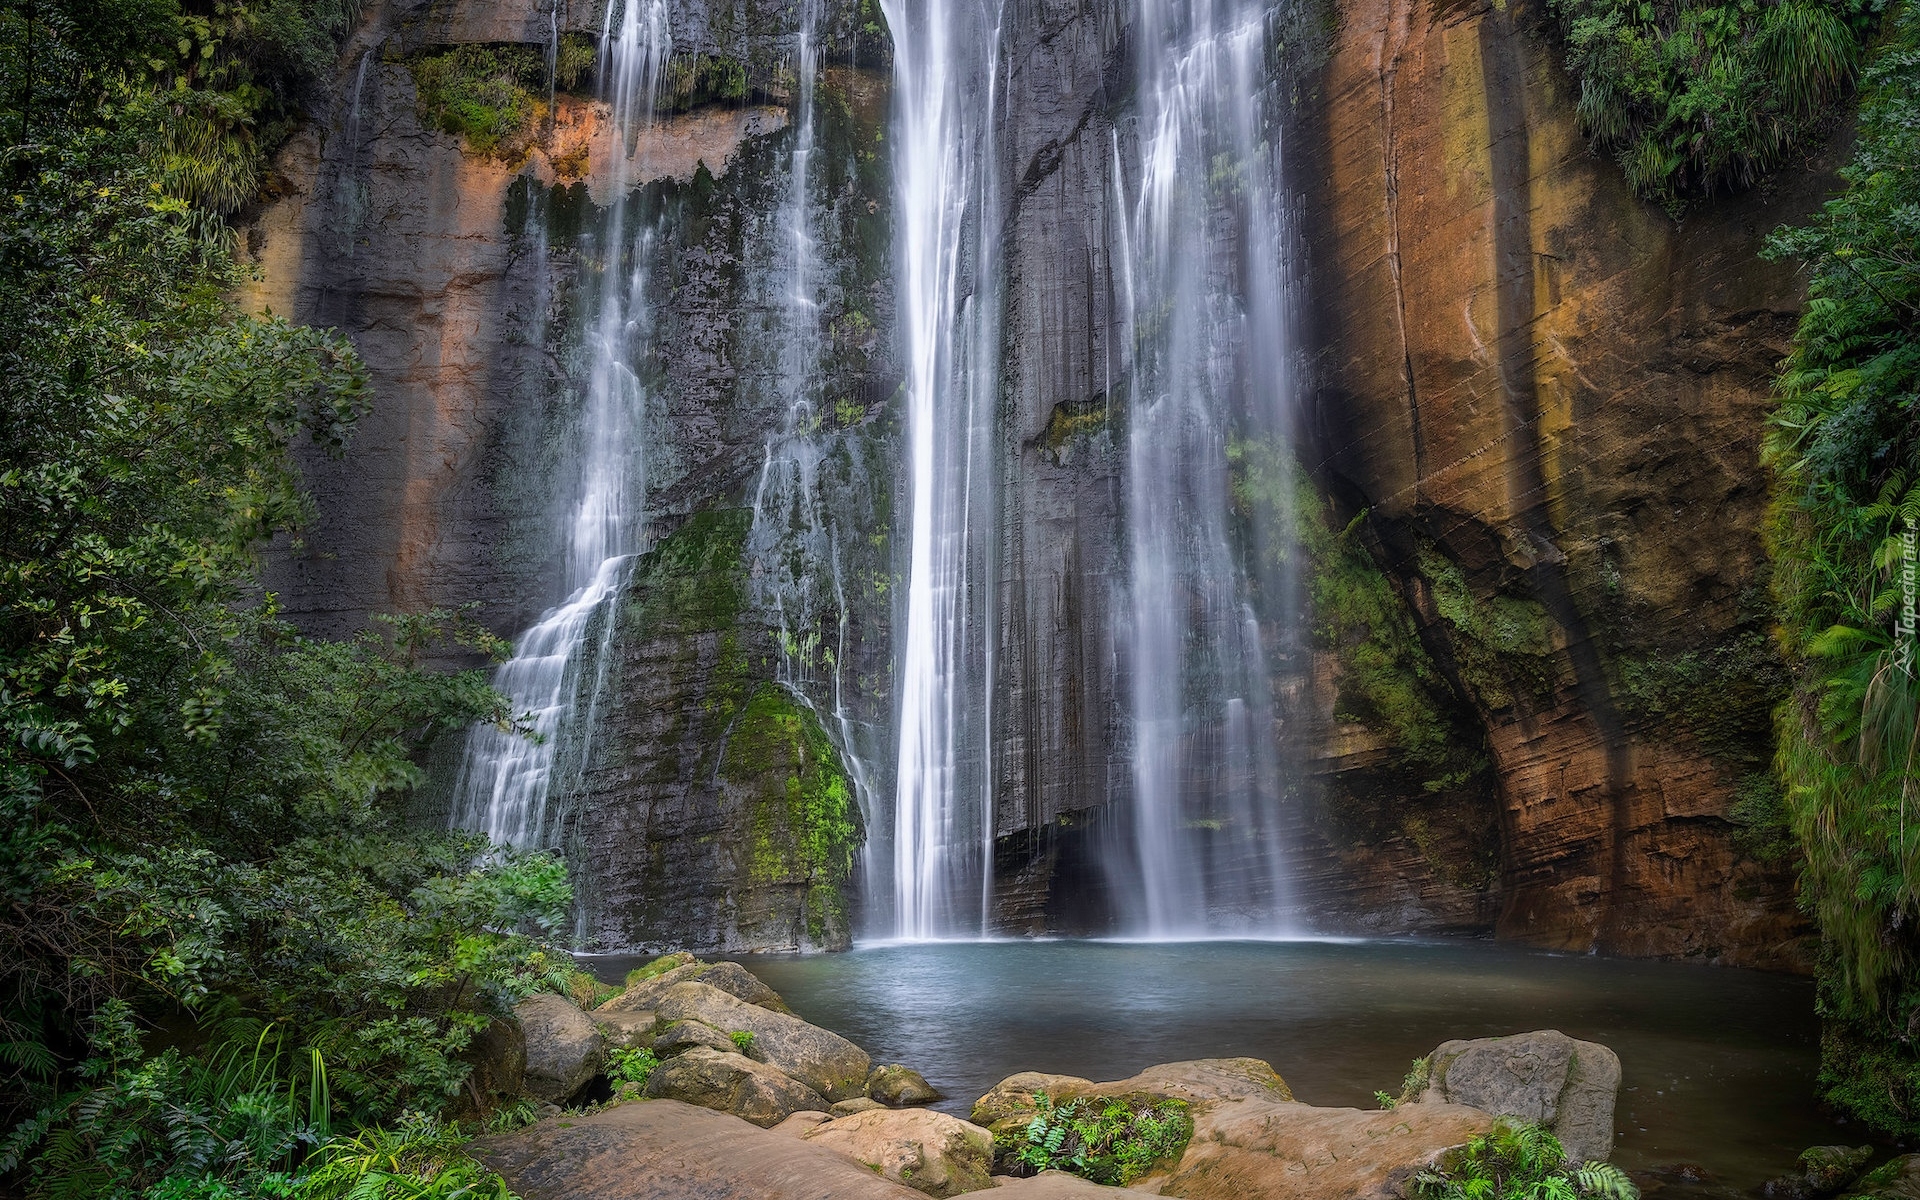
point(1846, 456)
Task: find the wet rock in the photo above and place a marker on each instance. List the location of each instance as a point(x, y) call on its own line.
point(1545, 1077)
point(563, 1046)
point(826, 1062)
point(859, 1104)
point(622, 1029)
point(732, 1083)
point(684, 1035)
point(665, 1150)
point(900, 1087)
point(928, 1151)
point(1895, 1179)
point(1827, 1169)
point(742, 984)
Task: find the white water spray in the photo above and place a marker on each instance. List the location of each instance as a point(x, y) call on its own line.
point(946, 64)
point(506, 779)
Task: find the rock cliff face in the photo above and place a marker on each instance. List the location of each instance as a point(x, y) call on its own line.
point(1548, 398)
point(1544, 396)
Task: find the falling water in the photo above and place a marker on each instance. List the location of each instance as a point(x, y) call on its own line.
point(1207, 285)
point(946, 65)
point(794, 543)
point(506, 778)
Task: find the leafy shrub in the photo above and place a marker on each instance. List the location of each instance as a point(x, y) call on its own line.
point(1519, 1160)
point(419, 1159)
point(489, 95)
point(631, 1066)
point(1696, 98)
point(1109, 1141)
point(1410, 1087)
point(742, 1040)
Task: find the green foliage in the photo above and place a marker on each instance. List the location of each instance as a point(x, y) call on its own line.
point(742, 1040)
point(1109, 1141)
point(1410, 1087)
point(1519, 1160)
point(419, 1159)
point(632, 1066)
point(658, 967)
point(1843, 447)
point(1696, 97)
point(490, 95)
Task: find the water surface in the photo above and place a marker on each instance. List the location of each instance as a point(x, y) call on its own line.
point(1718, 1064)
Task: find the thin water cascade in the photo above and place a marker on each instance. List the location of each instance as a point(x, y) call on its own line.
point(946, 68)
point(794, 542)
point(1207, 279)
point(506, 780)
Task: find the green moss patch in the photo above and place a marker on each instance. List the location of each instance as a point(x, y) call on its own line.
point(801, 816)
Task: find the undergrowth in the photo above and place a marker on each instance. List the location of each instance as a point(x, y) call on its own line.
point(1518, 1160)
point(1109, 1141)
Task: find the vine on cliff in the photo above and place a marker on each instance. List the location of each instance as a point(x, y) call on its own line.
point(1846, 455)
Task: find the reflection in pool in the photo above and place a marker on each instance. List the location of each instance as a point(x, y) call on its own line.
point(1718, 1064)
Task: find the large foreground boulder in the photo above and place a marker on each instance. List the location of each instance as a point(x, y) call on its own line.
point(1545, 1077)
point(564, 1049)
point(732, 1083)
point(1252, 1140)
point(928, 1151)
point(665, 1150)
point(1054, 1185)
point(825, 1062)
point(1280, 1150)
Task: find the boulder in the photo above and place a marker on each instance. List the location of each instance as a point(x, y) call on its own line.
point(928, 1151)
point(900, 1087)
point(1270, 1149)
point(1895, 1179)
point(665, 1150)
point(1829, 1168)
point(499, 1059)
point(802, 1123)
point(644, 994)
point(846, 1108)
point(826, 1062)
point(563, 1046)
point(742, 984)
point(1011, 1100)
point(624, 1029)
point(672, 1038)
point(732, 1083)
point(1545, 1077)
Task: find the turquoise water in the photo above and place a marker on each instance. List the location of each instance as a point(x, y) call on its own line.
point(1718, 1064)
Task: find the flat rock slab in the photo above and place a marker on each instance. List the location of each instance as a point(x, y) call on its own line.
point(1195, 1080)
point(1254, 1149)
point(665, 1150)
point(1050, 1185)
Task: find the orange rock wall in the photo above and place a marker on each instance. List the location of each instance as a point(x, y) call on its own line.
point(1561, 392)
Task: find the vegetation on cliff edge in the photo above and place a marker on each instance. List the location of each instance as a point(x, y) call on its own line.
point(1697, 98)
point(1846, 455)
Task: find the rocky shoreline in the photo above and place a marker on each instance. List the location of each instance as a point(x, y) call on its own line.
point(696, 1080)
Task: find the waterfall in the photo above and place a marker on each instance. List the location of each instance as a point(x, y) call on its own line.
point(794, 542)
point(946, 65)
point(506, 779)
point(1207, 280)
